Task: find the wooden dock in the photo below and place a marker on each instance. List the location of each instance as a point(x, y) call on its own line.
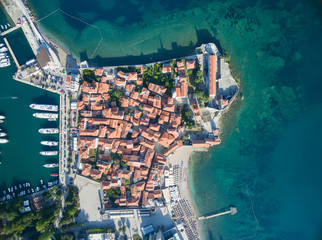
point(10, 30)
point(11, 52)
point(232, 211)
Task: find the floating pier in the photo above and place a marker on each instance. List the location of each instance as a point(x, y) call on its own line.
point(11, 52)
point(232, 211)
point(10, 30)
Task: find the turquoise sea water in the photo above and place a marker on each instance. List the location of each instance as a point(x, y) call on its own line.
point(272, 139)
point(20, 158)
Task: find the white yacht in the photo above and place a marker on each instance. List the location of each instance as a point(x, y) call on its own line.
point(45, 115)
point(48, 130)
point(49, 153)
point(49, 143)
point(44, 107)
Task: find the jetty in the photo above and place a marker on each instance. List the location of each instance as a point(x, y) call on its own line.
point(11, 52)
point(10, 30)
point(231, 211)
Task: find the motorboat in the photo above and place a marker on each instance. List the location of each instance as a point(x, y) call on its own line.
point(3, 140)
point(49, 153)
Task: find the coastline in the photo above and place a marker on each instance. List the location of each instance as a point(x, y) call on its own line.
point(56, 45)
point(183, 155)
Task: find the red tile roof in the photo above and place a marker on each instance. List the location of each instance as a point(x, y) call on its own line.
point(212, 75)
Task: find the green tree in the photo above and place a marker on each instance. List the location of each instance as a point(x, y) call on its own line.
point(46, 235)
point(42, 224)
point(199, 77)
point(136, 237)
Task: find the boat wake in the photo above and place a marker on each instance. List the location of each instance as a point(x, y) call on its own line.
point(7, 98)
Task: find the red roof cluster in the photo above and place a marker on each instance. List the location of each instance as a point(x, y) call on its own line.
point(129, 129)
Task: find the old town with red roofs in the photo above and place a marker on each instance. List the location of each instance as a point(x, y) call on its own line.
point(128, 127)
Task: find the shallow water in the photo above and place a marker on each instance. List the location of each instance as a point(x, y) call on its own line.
point(271, 139)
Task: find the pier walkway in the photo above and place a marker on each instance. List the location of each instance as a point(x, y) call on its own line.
point(10, 30)
point(11, 52)
point(232, 211)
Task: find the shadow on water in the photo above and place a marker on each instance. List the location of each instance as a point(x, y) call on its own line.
point(45, 99)
point(49, 137)
point(50, 160)
point(49, 124)
point(203, 36)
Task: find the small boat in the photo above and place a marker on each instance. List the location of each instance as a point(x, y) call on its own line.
point(14, 97)
point(15, 187)
point(51, 165)
point(52, 119)
point(8, 24)
point(54, 174)
point(4, 193)
point(14, 195)
point(1, 121)
point(19, 185)
point(6, 64)
point(2, 140)
point(2, 134)
point(8, 189)
point(2, 27)
point(24, 185)
point(41, 181)
point(5, 26)
point(1, 44)
point(28, 191)
point(32, 190)
point(11, 189)
point(50, 184)
point(2, 117)
point(3, 49)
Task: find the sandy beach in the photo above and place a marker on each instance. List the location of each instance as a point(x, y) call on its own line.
point(182, 157)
